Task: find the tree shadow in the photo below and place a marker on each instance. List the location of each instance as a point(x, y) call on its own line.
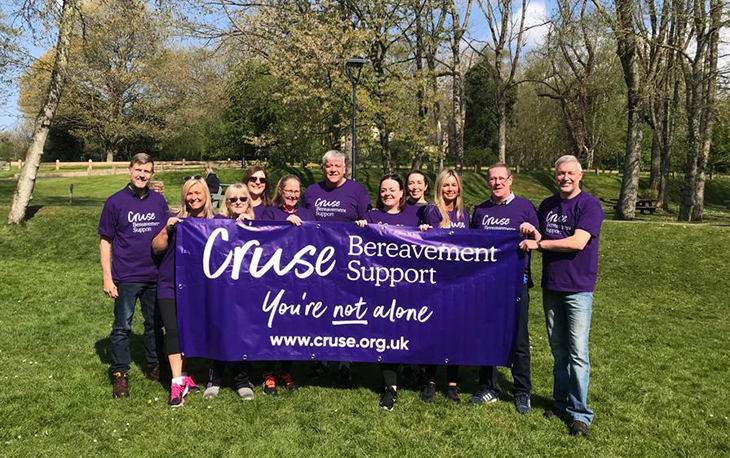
point(547, 180)
point(31, 211)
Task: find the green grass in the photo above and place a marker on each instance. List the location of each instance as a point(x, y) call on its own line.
point(660, 362)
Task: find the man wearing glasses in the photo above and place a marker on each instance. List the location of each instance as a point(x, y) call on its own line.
point(504, 211)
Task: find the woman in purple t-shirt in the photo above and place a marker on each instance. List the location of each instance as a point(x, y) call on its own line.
point(237, 203)
point(447, 213)
point(257, 180)
point(195, 203)
point(417, 186)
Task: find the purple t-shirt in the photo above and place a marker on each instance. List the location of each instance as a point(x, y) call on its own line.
point(130, 223)
point(259, 210)
point(278, 214)
point(505, 217)
point(576, 271)
point(418, 209)
point(404, 218)
point(345, 203)
point(432, 217)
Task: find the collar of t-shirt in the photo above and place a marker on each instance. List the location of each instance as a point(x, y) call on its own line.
point(510, 198)
point(130, 190)
point(293, 210)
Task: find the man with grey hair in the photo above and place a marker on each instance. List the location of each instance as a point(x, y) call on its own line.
point(570, 224)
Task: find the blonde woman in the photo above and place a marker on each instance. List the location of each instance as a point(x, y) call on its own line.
point(447, 212)
point(194, 203)
point(237, 203)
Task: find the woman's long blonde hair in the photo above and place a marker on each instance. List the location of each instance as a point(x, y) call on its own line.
point(183, 212)
point(242, 187)
point(438, 197)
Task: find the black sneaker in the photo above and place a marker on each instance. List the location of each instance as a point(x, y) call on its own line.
point(452, 394)
point(345, 377)
point(318, 370)
point(579, 429)
point(522, 402)
point(429, 391)
point(390, 397)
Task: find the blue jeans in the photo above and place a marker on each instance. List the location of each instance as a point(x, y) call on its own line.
point(568, 319)
point(124, 306)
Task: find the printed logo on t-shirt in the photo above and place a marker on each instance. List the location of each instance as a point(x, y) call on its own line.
point(327, 208)
point(458, 224)
point(142, 222)
point(494, 223)
point(556, 224)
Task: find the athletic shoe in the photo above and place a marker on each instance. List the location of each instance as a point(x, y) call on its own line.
point(484, 395)
point(579, 429)
point(522, 402)
point(345, 380)
point(189, 386)
point(390, 397)
point(429, 391)
point(211, 392)
point(177, 396)
point(120, 385)
point(270, 385)
point(245, 393)
point(452, 394)
point(288, 382)
point(318, 370)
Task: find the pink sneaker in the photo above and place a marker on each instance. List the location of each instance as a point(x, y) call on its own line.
point(189, 386)
point(177, 396)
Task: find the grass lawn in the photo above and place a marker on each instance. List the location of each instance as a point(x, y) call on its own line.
point(659, 349)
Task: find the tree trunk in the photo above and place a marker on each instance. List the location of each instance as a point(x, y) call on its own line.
point(502, 128)
point(385, 146)
point(110, 156)
point(656, 158)
point(28, 174)
point(457, 107)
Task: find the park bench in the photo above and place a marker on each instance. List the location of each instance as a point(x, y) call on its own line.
point(642, 205)
point(218, 197)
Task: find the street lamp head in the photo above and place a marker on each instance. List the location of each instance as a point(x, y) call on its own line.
point(354, 67)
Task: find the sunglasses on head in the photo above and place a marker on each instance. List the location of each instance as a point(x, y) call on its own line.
point(188, 178)
point(257, 179)
point(233, 200)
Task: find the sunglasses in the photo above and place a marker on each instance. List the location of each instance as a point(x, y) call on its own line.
point(233, 200)
point(257, 179)
point(188, 178)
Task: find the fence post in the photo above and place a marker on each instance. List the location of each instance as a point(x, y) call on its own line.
point(88, 169)
point(58, 164)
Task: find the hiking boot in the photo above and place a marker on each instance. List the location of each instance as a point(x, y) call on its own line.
point(120, 385)
point(211, 392)
point(484, 396)
point(245, 393)
point(288, 382)
point(345, 378)
point(429, 391)
point(579, 429)
point(153, 374)
point(189, 386)
point(452, 394)
point(270, 385)
point(522, 402)
point(390, 397)
point(177, 396)
point(318, 370)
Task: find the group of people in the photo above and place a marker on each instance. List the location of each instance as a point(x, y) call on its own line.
point(137, 233)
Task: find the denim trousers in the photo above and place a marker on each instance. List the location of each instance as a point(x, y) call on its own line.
point(568, 320)
point(124, 306)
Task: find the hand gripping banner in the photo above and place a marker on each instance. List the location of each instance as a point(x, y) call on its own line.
point(334, 291)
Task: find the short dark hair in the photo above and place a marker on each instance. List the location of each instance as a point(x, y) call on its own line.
point(391, 176)
point(142, 158)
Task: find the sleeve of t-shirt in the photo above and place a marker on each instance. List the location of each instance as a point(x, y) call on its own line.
point(531, 216)
point(108, 221)
point(369, 217)
point(541, 218)
point(268, 214)
point(306, 201)
point(432, 216)
point(363, 204)
point(472, 222)
point(591, 217)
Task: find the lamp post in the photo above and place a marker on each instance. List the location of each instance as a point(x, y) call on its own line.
point(354, 67)
point(243, 141)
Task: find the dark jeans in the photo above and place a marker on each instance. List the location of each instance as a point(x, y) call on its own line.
point(521, 360)
point(269, 367)
point(239, 370)
point(124, 306)
point(452, 373)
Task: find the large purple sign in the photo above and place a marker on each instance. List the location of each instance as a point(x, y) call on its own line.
point(333, 291)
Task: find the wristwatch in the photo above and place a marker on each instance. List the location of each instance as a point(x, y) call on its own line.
point(539, 245)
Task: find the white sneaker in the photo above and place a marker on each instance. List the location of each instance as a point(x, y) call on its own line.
point(245, 393)
point(211, 392)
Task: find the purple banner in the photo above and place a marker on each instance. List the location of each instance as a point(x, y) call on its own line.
point(333, 291)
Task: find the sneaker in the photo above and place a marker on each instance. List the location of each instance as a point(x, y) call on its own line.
point(522, 402)
point(452, 394)
point(120, 385)
point(318, 370)
point(211, 392)
point(288, 382)
point(429, 391)
point(578, 428)
point(189, 386)
point(390, 397)
point(345, 378)
point(245, 393)
point(484, 395)
point(177, 395)
point(153, 374)
point(270, 385)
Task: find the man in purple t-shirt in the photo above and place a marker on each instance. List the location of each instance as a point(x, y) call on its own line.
point(570, 224)
point(129, 221)
point(504, 211)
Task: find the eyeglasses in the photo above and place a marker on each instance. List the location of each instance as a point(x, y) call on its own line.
point(498, 179)
point(233, 200)
point(290, 192)
point(188, 178)
point(257, 180)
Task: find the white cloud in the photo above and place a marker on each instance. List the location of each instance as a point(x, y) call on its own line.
point(536, 25)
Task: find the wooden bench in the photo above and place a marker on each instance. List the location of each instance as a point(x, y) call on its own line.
point(642, 205)
point(219, 196)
